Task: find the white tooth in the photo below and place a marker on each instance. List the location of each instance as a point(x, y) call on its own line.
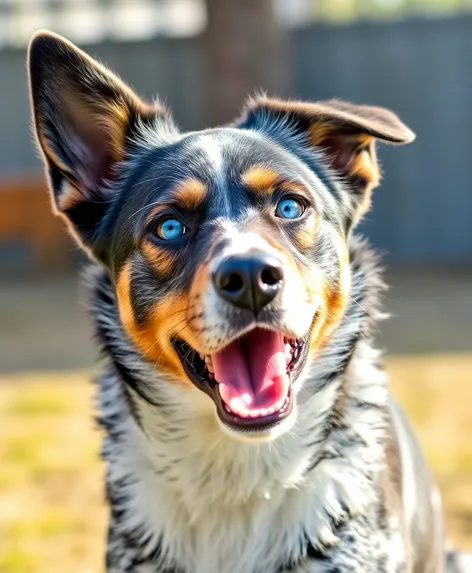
point(263, 412)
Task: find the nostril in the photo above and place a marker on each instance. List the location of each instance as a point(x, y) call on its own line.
point(271, 276)
point(232, 282)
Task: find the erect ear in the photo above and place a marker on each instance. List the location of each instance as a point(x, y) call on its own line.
point(85, 119)
point(345, 132)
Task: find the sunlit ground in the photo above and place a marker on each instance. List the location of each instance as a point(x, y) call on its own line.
point(52, 512)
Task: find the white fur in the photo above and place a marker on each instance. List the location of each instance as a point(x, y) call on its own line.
point(217, 502)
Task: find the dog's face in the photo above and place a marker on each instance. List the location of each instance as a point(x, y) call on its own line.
point(227, 246)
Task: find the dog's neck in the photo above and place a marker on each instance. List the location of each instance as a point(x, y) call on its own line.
point(174, 430)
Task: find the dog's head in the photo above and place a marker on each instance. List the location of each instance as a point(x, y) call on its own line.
point(227, 246)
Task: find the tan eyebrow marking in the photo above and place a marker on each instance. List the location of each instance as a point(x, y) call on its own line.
point(260, 179)
point(155, 212)
point(264, 180)
point(189, 193)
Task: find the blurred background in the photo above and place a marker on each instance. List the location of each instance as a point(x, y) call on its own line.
point(203, 57)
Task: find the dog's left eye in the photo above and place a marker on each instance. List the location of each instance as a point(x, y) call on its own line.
point(289, 209)
point(170, 229)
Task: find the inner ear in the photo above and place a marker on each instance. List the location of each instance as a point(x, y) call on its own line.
point(345, 133)
point(351, 155)
point(87, 122)
point(96, 143)
point(82, 113)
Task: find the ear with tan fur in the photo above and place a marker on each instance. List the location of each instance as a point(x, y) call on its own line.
point(84, 118)
point(345, 132)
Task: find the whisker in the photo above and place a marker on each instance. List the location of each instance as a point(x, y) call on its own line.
point(176, 334)
point(149, 205)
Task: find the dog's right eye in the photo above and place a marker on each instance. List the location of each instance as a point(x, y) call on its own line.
point(170, 229)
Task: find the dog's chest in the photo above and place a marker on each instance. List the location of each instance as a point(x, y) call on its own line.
point(213, 515)
point(233, 514)
point(256, 536)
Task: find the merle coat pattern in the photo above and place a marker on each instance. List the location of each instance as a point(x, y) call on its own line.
point(332, 481)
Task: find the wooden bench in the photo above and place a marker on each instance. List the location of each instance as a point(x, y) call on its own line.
point(29, 227)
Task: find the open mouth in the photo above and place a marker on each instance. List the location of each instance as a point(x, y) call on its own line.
point(250, 380)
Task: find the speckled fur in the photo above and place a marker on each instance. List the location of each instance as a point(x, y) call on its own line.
point(187, 498)
point(336, 485)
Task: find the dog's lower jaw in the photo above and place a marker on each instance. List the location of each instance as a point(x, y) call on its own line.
point(264, 435)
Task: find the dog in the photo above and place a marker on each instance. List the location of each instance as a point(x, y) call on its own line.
point(248, 422)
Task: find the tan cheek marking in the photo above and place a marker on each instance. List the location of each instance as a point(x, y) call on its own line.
point(260, 179)
point(124, 303)
point(170, 318)
point(153, 338)
point(161, 261)
point(334, 300)
point(190, 193)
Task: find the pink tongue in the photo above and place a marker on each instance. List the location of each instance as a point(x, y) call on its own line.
point(252, 374)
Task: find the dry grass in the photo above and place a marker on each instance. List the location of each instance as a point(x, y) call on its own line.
point(52, 515)
point(436, 393)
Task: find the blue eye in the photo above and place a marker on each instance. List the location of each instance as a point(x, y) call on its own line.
point(289, 209)
point(170, 229)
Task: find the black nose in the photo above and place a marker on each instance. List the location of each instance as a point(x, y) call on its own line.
point(249, 281)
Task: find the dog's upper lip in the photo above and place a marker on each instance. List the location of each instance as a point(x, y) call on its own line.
point(246, 330)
